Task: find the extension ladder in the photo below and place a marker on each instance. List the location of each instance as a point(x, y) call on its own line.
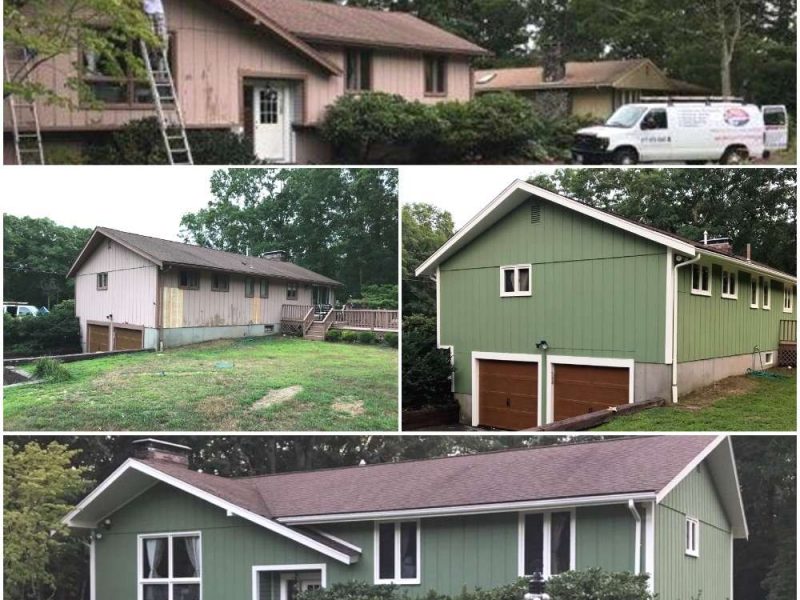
point(24, 115)
point(162, 87)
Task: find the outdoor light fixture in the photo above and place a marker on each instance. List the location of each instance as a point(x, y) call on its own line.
point(107, 524)
point(543, 346)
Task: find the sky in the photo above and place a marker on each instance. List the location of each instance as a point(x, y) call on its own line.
point(462, 190)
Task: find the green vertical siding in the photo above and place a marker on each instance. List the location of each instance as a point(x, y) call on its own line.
point(597, 291)
point(712, 327)
point(605, 537)
point(682, 577)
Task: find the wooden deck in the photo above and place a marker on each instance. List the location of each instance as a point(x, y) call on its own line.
point(298, 318)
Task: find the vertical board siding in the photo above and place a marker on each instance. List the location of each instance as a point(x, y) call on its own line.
point(206, 308)
point(404, 74)
point(712, 327)
point(682, 577)
point(596, 291)
point(605, 537)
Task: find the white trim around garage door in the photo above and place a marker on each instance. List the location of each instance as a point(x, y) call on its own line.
point(321, 567)
point(587, 361)
point(476, 356)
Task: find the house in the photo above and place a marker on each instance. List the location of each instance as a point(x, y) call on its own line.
point(551, 309)
point(666, 506)
point(269, 69)
point(591, 89)
point(134, 291)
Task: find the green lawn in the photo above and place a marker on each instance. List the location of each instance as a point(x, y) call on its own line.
point(734, 404)
point(214, 387)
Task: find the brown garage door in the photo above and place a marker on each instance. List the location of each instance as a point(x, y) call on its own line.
point(578, 390)
point(127, 339)
point(508, 394)
point(98, 338)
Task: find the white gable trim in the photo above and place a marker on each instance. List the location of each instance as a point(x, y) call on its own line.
point(72, 520)
point(689, 468)
point(594, 213)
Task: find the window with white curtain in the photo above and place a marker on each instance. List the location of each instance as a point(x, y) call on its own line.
point(397, 552)
point(170, 566)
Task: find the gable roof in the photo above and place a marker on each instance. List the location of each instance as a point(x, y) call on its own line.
point(314, 21)
point(602, 73)
point(520, 191)
point(166, 252)
point(604, 472)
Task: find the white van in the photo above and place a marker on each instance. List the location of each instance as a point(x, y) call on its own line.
point(684, 129)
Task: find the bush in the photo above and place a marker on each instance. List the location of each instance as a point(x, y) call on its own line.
point(140, 143)
point(349, 337)
point(597, 584)
point(391, 339)
point(426, 369)
point(55, 333)
point(334, 335)
point(50, 370)
point(353, 590)
point(377, 296)
point(366, 337)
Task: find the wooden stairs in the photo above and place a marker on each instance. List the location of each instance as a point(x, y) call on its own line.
point(319, 326)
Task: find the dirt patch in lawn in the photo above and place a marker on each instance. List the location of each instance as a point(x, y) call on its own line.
point(219, 410)
point(349, 405)
point(274, 397)
point(725, 388)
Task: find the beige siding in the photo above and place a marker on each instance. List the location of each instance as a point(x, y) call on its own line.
point(594, 102)
point(404, 74)
point(646, 77)
point(206, 308)
point(131, 292)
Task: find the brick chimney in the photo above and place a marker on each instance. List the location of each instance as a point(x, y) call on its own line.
point(279, 255)
point(721, 244)
point(152, 449)
point(553, 67)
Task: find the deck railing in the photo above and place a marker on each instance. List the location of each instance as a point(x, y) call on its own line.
point(295, 312)
point(787, 331)
point(367, 319)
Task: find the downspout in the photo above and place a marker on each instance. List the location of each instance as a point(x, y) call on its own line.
point(637, 545)
point(675, 325)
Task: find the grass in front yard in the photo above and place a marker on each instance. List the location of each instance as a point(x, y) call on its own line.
point(214, 387)
point(738, 403)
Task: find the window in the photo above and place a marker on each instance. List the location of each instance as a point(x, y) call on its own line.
point(701, 280)
point(268, 107)
point(102, 281)
point(769, 358)
point(263, 288)
point(397, 552)
point(788, 298)
point(753, 292)
point(435, 75)
point(249, 287)
point(220, 282)
point(189, 280)
point(358, 76)
point(170, 566)
point(291, 291)
point(655, 119)
point(692, 536)
point(547, 543)
point(515, 280)
point(765, 294)
point(111, 80)
point(729, 284)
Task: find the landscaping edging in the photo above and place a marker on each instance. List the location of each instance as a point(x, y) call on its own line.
point(14, 362)
point(431, 416)
point(599, 417)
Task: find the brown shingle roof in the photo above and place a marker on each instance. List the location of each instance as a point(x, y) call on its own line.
point(627, 465)
point(177, 253)
point(328, 22)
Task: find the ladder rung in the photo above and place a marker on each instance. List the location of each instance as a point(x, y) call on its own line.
point(29, 150)
point(179, 150)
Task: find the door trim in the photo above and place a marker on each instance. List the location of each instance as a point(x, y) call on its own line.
point(285, 577)
point(529, 358)
point(321, 567)
point(584, 361)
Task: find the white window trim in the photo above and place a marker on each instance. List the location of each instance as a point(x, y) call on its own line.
point(732, 276)
point(516, 292)
point(476, 356)
point(397, 553)
point(169, 581)
point(755, 280)
point(546, 545)
point(700, 291)
point(769, 358)
point(766, 299)
point(321, 567)
point(788, 293)
point(692, 551)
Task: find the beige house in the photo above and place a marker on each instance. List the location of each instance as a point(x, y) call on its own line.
point(268, 68)
point(590, 88)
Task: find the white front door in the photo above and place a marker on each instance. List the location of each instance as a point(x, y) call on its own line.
point(272, 122)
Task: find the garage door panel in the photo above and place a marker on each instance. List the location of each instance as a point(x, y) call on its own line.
point(580, 389)
point(508, 394)
point(98, 338)
point(127, 339)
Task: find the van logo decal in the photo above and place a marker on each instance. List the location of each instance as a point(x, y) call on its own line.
point(736, 117)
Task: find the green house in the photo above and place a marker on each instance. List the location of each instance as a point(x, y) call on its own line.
point(553, 309)
point(667, 506)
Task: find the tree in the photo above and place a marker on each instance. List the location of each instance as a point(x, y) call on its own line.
point(40, 486)
point(47, 30)
point(338, 222)
point(37, 254)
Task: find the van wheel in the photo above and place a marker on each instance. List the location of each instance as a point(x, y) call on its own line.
point(734, 156)
point(625, 156)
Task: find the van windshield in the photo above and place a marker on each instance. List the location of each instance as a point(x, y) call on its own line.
point(626, 116)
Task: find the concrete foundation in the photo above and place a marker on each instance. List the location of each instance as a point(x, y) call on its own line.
point(700, 373)
point(182, 336)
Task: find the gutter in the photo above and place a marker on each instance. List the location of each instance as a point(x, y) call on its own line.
point(637, 557)
point(675, 324)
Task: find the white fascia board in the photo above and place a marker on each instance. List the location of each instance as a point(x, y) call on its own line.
point(743, 264)
point(664, 492)
point(740, 502)
point(476, 509)
point(594, 213)
point(268, 524)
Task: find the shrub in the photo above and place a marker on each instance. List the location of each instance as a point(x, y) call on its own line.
point(334, 335)
point(426, 369)
point(353, 590)
point(140, 143)
point(55, 333)
point(377, 296)
point(366, 337)
point(350, 337)
point(391, 339)
point(597, 584)
point(51, 370)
